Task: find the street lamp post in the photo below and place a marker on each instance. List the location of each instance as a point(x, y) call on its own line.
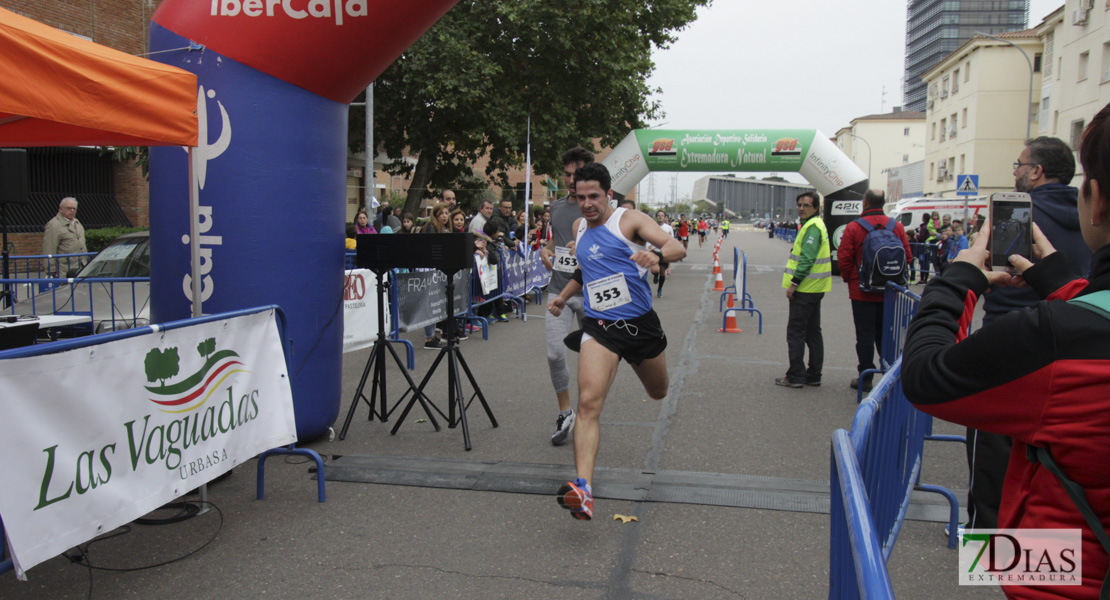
point(1029, 109)
point(868, 154)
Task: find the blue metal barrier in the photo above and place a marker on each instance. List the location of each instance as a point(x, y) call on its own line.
point(786, 234)
point(924, 264)
point(885, 447)
point(731, 289)
point(857, 527)
point(111, 302)
point(746, 304)
point(37, 266)
point(887, 440)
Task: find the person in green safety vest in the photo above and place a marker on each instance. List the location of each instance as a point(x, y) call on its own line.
point(808, 276)
point(724, 227)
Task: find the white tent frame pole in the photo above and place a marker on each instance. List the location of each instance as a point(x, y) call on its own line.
point(194, 231)
point(194, 258)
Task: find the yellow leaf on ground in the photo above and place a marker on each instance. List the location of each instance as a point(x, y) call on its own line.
point(623, 519)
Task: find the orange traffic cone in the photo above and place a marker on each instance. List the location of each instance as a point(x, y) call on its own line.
point(719, 285)
point(730, 320)
point(716, 265)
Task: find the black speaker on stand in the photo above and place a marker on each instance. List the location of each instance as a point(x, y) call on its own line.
point(448, 253)
point(378, 256)
point(13, 190)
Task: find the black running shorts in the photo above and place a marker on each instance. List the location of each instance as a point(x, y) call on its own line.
point(634, 340)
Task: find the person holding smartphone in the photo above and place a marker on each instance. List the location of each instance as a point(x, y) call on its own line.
point(1044, 170)
point(1037, 374)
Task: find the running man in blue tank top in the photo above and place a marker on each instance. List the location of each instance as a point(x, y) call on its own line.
point(613, 263)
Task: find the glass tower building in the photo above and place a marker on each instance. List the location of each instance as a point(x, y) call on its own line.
point(936, 28)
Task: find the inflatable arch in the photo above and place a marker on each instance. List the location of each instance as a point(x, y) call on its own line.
point(274, 81)
point(807, 152)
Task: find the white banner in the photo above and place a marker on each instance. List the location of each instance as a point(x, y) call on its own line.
point(98, 436)
point(487, 274)
point(360, 310)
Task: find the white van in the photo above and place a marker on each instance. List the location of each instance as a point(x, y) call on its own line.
point(908, 212)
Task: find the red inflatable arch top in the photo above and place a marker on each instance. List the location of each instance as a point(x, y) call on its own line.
point(333, 48)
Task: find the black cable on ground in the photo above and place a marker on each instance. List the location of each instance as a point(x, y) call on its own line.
point(189, 509)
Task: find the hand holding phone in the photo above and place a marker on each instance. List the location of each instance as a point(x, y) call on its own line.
point(1011, 229)
point(1041, 248)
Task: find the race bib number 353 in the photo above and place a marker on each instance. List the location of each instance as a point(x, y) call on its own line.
point(608, 293)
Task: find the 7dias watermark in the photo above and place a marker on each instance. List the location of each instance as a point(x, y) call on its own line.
point(1021, 557)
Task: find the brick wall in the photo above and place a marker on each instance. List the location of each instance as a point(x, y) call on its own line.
point(119, 24)
point(25, 243)
point(132, 194)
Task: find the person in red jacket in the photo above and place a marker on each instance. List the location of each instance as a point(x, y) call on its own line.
point(867, 308)
point(684, 231)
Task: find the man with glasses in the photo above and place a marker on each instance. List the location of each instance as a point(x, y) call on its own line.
point(506, 222)
point(808, 276)
point(63, 234)
point(1043, 170)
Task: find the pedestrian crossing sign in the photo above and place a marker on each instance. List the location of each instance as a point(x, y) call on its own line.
point(967, 185)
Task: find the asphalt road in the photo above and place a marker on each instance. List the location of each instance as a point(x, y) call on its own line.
point(726, 477)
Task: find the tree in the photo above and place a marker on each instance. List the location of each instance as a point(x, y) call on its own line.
point(466, 89)
point(206, 347)
point(161, 365)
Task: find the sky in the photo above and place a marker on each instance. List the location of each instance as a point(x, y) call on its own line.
point(804, 64)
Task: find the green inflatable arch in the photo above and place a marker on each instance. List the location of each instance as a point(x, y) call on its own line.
point(807, 152)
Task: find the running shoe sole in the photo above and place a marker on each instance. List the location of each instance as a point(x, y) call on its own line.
point(577, 500)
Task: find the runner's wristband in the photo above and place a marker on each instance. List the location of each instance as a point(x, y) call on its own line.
point(659, 253)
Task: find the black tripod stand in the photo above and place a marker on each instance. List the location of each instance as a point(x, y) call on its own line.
point(377, 363)
point(455, 398)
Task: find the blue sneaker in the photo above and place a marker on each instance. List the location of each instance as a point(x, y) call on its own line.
point(577, 497)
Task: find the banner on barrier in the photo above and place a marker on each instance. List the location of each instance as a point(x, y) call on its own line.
point(515, 269)
point(422, 297)
point(487, 274)
point(538, 275)
point(360, 310)
point(96, 437)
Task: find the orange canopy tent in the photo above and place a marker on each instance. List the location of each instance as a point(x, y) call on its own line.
point(57, 89)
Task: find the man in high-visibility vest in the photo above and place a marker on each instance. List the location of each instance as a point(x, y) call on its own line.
point(724, 228)
point(808, 276)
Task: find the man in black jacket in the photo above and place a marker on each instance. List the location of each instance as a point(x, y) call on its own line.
point(505, 221)
point(1043, 170)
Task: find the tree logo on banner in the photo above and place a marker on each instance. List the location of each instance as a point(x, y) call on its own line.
point(193, 391)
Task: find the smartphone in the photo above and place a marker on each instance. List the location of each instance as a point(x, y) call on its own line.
point(1011, 228)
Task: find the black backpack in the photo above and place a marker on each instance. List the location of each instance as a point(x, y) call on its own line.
point(882, 257)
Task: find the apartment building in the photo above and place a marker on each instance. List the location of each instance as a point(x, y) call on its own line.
point(1076, 81)
point(881, 142)
point(936, 28)
point(978, 111)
